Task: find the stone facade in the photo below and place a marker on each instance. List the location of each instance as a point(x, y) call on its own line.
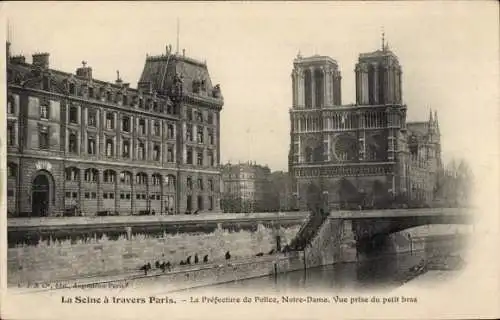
point(363, 154)
point(246, 188)
point(77, 145)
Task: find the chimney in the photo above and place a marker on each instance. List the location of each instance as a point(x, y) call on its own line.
point(41, 60)
point(8, 50)
point(18, 59)
point(118, 79)
point(84, 71)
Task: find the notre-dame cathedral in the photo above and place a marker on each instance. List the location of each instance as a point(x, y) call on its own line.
point(364, 154)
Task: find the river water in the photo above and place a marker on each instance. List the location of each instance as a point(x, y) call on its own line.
point(384, 273)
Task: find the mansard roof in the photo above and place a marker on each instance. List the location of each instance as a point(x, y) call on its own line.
point(161, 72)
point(30, 76)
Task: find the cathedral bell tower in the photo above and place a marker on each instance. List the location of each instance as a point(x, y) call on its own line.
point(316, 82)
point(379, 78)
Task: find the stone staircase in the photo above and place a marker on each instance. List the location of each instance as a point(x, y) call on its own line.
point(308, 231)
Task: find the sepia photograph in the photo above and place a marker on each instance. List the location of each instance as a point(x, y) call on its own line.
point(273, 160)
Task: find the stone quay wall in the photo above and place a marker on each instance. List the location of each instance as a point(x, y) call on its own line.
point(60, 260)
point(100, 257)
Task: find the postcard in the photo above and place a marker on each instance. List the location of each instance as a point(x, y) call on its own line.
point(250, 160)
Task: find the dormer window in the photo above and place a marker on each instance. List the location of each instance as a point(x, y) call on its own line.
point(141, 103)
point(125, 99)
point(155, 106)
point(72, 88)
point(109, 96)
point(91, 92)
point(118, 98)
point(45, 83)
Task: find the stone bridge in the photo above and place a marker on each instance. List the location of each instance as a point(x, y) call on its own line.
point(371, 229)
point(383, 222)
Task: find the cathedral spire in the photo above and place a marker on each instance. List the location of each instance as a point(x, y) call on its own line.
point(383, 39)
point(436, 120)
point(430, 116)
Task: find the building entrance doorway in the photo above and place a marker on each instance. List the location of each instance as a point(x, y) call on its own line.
point(40, 196)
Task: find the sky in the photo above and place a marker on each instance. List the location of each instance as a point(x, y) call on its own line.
point(448, 51)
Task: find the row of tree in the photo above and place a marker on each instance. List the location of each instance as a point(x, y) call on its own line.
point(455, 183)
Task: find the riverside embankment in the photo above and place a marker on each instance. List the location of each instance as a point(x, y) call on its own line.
point(249, 239)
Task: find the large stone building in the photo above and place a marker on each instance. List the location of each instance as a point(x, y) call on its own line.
point(78, 145)
point(360, 154)
point(246, 187)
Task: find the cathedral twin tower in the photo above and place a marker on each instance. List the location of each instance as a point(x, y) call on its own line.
point(316, 80)
point(343, 151)
point(340, 154)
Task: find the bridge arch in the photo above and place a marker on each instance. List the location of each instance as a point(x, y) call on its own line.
point(374, 235)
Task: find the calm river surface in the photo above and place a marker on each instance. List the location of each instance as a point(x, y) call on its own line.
point(385, 273)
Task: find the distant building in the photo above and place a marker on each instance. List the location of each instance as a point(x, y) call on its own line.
point(246, 188)
point(360, 154)
point(80, 145)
